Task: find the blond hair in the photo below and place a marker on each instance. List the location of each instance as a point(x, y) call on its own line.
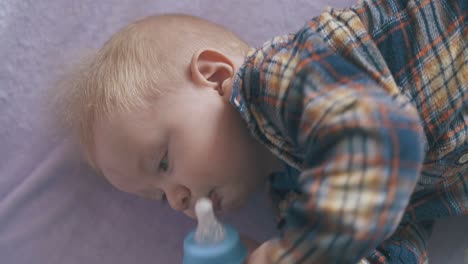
point(139, 62)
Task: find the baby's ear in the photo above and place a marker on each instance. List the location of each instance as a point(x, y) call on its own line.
point(212, 68)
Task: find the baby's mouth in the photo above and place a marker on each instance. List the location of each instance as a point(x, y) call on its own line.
point(216, 200)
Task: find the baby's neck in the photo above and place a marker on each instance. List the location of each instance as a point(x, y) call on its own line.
point(274, 163)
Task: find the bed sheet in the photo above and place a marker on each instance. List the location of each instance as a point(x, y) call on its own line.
point(53, 209)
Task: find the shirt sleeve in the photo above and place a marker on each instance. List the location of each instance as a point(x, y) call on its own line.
point(360, 140)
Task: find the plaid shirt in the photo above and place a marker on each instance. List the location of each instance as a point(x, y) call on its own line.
point(368, 107)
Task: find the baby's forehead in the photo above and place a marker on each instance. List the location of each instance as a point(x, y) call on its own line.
point(124, 121)
point(142, 125)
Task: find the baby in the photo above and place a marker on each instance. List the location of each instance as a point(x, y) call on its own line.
point(358, 123)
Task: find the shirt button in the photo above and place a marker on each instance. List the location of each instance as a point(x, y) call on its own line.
point(463, 158)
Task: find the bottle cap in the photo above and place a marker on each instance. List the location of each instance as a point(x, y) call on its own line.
point(228, 251)
point(212, 242)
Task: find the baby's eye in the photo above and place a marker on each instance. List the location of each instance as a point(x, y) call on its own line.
point(164, 164)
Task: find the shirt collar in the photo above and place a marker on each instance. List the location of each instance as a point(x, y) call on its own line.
point(241, 85)
point(248, 75)
point(247, 85)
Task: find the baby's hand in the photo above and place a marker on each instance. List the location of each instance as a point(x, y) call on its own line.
point(262, 255)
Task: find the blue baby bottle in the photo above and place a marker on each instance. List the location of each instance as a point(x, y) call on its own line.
point(212, 242)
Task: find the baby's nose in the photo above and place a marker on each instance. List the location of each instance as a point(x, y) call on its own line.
point(179, 198)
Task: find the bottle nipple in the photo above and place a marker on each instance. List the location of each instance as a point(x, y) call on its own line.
point(209, 229)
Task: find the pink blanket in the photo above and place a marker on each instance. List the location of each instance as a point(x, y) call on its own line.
point(53, 209)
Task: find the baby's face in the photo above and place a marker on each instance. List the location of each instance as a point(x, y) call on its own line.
point(189, 144)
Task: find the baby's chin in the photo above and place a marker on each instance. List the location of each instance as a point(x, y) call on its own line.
point(190, 214)
point(233, 205)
